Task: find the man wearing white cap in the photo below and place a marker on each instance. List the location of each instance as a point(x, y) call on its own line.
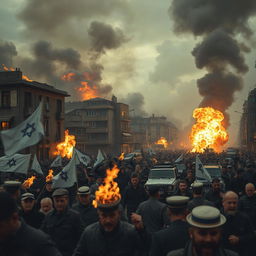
point(205, 234)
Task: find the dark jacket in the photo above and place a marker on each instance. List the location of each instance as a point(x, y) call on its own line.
point(174, 237)
point(215, 198)
point(123, 241)
point(88, 214)
point(239, 225)
point(187, 193)
point(33, 218)
point(198, 201)
point(154, 214)
point(28, 241)
point(187, 251)
point(65, 229)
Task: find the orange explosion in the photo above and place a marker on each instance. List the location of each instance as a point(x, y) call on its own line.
point(108, 193)
point(65, 148)
point(208, 132)
point(162, 141)
point(12, 69)
point(29, 182)
point(121, 157)
point(49, 176)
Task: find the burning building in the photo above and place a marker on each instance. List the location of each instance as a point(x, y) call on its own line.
point(20, 96)
point(100, 123)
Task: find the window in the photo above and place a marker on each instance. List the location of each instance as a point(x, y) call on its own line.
point(46, 127)
point(28, 99)
point(58, 131)
point(59, 106)
point(6, 99)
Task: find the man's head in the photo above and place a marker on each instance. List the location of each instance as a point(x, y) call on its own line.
point(229, 202)
point(216, 185)
point(134, 179)
point(9, 217)
point(249, 189)
point(177, 206)
point(153, 191)
point(48, 186)
point(197, 188)
point(27, 202)
point(189, 174)
point(13, 188)
point(60, 199)
point(109, 218)
point(183, 186)
point(83, 195)
point(46, 205)
point(205, 230)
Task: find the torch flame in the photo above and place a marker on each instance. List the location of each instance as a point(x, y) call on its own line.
point(121, 157)
point(49, 176)
point(108, 193)
point(162, 141)
point(12, 69)
point(28, 182)
point(208, 132)
point(65, 148)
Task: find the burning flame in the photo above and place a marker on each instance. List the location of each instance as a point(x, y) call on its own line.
point(12, 69)
point(85, 90)
point(121, 157)
point(208, 132)
point(162, 141)
point(65, 148)
point(29, 182)
point(108, 193)
point(49, 176)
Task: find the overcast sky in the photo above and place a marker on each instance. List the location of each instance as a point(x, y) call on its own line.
point(136, 53)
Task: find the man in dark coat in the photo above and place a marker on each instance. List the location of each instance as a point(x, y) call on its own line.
point(29, 213)
point(111, 236)
point(238, 232)
point(16, 237)
point(134, 194)
point(88, 213)
point(63, 224)
point(205, 234)
point(247, 203)
point(176, 235)
point(215, 194)
point(183, 189)
point(153, 212)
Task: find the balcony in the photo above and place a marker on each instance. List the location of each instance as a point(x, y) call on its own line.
point(97, 130)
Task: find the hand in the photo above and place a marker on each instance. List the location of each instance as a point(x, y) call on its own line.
point(233, 239)
point(137, 221)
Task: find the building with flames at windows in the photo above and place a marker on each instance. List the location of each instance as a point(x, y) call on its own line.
point(100, 124)
point(19, 97)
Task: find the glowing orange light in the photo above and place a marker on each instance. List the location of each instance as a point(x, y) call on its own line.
point(12, 69)
point(49, 176)
point(162, 141)
point(65, 149)
point(208, 132)
point(121, 157)
point(108, 193)
point(29, 182)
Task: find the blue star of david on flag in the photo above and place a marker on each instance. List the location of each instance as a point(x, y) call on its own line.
point(28, 130)
point(11, 162)
point(64, 176)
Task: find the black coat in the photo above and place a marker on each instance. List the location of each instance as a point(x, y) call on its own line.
point(198, 201)
point(28, 241)
point(88, 214)
point(123, 241)
point(65, 229)
point(239, 225)
point(174, 237)
point(215, 198)
point(33, 218)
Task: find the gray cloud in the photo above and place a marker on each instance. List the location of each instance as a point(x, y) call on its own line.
point(7, 53)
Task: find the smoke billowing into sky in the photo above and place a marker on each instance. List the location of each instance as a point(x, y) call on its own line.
point(7, 52)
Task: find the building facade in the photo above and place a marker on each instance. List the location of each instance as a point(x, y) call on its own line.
point(100, 124)
point(18, 100)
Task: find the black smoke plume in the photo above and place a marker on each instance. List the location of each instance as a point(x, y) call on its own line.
point(7, 52)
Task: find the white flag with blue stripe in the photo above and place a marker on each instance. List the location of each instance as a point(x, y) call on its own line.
point(201, 172)
point(24, 135)
point(82, 158)
point(57, 162)
point(36, 166)
point(17, 163)
point(100, 158)
point(67, 177)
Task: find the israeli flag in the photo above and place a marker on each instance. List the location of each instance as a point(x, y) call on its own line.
point(100, 158)
point(82, 158)
point(17, 163)
point(26, 134)
point(201, 172)
point(57, 162)
point(67, 177)
point(36, 166)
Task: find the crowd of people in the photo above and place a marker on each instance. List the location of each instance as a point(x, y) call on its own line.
point(220, 220)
